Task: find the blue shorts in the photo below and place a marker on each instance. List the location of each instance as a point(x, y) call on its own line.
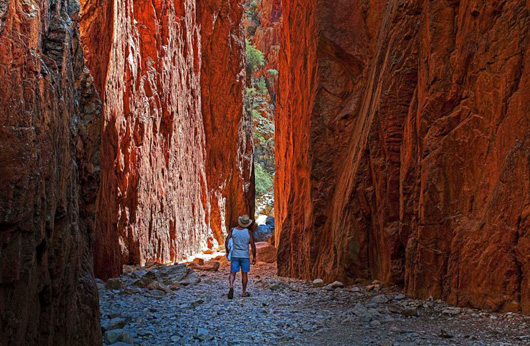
point(240, 263)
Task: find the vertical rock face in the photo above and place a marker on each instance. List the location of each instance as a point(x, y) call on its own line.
point(267, 39)
point(176, 151)
point(228, 131)
point(49, 176)
point(403, 147)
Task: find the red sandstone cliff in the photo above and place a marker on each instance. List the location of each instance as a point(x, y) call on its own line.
point(403, 147)
point(267, 39)
point(49, 174)
point(176, 148)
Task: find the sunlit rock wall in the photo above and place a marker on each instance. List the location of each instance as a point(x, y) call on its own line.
point(176, 156)
point(403, 143)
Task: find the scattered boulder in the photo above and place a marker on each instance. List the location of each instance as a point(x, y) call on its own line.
point(203, 335)
point(336, 284)
point(375, 288)
point(211, 266)
point(168, 275)
point(145, 280)
point(191, 279)
point(362, 312)
point(155, 285)
point(277, 285)
point(445, 334)
point(264, 232)
point(116, 335)
point(198, 261)
point(409, 312)
point(451, 311)
point(114, 323)
point(114, 284)
point(318, 283)
point(266, 252)
point(381, 299)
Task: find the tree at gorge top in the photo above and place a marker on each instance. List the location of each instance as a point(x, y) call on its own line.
point(255, 57)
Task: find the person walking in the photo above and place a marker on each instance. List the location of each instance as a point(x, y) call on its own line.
point(237, 250)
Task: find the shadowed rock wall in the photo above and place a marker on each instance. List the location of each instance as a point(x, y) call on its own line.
point(176, 150)
point(49, 177)
point(403, 147)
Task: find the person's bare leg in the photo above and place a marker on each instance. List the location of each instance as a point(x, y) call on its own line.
point(244, 281)
point(231, 279)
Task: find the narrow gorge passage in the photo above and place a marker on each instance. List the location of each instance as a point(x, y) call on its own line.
point(382, 145)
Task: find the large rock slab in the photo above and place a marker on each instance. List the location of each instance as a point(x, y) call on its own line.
point(265, 252)
point(403, 138)
point(49, 176)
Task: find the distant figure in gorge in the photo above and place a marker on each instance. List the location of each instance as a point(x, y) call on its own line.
point(237, 242)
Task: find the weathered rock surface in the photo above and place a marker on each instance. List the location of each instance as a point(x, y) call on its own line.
point(176, 151)
point(265, 252)
point(403, 145)
point(49, 176)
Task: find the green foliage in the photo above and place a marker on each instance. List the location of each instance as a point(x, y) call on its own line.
point(254, 5)
point(258, 138)
point(256, 114)
point(272, 72)
point(262, 86)
point(264, 180)
point(255, 58)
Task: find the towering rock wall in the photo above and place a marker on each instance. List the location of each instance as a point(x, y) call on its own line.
point(228, 131)
point(176, 152)
point(403, 147)
point(49, 176)
point(267, 39)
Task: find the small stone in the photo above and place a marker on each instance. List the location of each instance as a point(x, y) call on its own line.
point(336, 284)
point(399, 297)
point(409, 312)
point(318, 283)
point(158, 286)
point(115, 335)
point(362, 312)
point(451, 311)
point(375, 323)
point(198, 261)
point(196, 303)
point(202, 334)
point(381, 299)
point(114, 323)
point(114, 284)
point(355, 289)
point(445, 334)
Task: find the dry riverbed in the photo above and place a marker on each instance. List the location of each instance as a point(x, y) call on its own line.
point(175, 305)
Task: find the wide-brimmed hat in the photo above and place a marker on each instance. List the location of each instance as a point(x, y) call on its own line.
point(244, 221)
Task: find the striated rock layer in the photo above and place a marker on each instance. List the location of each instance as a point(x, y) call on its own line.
point(49, 176)
point(176, 152)
point(403, 147)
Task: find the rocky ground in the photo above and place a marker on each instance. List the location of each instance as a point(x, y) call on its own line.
point(175, 305)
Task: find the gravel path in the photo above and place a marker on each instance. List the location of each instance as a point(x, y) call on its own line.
point(288, 312)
